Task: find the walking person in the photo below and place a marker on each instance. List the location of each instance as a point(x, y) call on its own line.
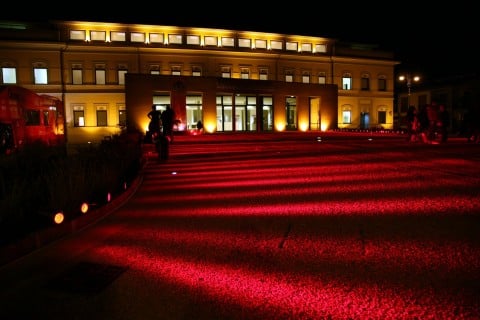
point(168, 118)
point(155, 122)
point(443, 123)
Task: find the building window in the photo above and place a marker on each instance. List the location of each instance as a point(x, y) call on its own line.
point(382, 83)
point(260, 44)
point(211, 41)
point(194, 110)
point(224, 113)
point(154, 69)
point(98, 36)
point(306, 47)
point(78, 116)
point(77, 35)
point(77, 76)
point(292, 46)
point(322, 48)
point(306, 77)
point(100, 76)
point(102, 116)
point(176, 70)
point(276, 45)
point(226, 72)
point(175, 38)
point(365, 82)
point(137, 37)
point(117, 36)
point(40, 75)
point(228, 42)
point(382, 117)
point(347, 116)
point(347, 81)
point(263, 74)
point(322, 78)
point(245, 73)
point(291, 113)
point(121, 76)
point(193, 40)
point(122, 116)
point(244, 43)
point(196, 71)
point(155, 37)
point(9, 75)
point(289, 76)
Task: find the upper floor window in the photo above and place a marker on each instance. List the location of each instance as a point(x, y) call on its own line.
point(347, 81)
point(322, 78)
point(100, 75)
point(196, 71)
point(306, 77)
point(382, 83)
point(98, 36)
point(347, 116)
point(176, 70)
point(263, 74)
point(260, 44)
point(289, 76)
point(245, 73)
point(175, 38)
point(137, 37)
point(226, 72)
point(228, 42)
point(40, 75)
point(77, 75)
point(117, 36)
point(276, 45)
point(244, 43)
point(292, 46)
point(365, 82)
point(9, 75)
point(154, 69)
point(77, 35)
point(121, 75)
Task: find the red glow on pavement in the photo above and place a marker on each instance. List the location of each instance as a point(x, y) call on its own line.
point(307, 231)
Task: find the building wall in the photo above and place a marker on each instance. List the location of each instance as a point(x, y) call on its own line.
point(63, 54)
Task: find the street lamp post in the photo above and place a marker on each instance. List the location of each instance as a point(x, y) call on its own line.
point(409, 79)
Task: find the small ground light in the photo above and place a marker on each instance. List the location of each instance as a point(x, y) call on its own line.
point(319, 139)
point(124, 186)
point(58, 218)
point(109, 197)
point(174, 172)
point(84, 207)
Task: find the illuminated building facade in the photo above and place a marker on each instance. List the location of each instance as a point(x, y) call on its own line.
point(109, 75)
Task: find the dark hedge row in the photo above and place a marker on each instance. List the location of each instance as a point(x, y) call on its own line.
point(40, 180)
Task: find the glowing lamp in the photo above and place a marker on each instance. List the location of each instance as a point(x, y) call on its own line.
point(59, 217)
point(84, 207)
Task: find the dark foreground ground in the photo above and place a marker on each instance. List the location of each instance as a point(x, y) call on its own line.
point(287, 226)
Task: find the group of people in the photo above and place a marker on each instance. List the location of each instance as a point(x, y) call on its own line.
point(429, 124)
point(161, 123)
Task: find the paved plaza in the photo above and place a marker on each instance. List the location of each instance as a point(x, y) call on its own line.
point(272, 226)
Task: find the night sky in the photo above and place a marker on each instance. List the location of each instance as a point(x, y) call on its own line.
point(437, 41)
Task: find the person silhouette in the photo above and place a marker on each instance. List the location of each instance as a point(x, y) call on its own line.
point(167, 117)
point(155, 117)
